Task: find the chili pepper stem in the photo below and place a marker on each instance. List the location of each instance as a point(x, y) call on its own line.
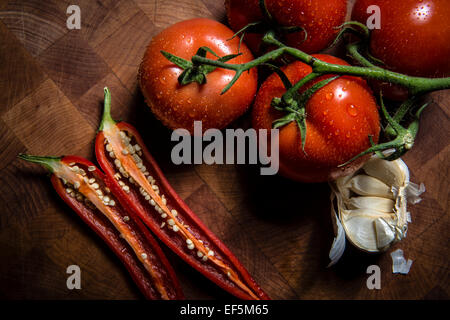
point(107, 120)
point(50, 163)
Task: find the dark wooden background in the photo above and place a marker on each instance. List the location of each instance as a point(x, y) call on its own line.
point(51, 97)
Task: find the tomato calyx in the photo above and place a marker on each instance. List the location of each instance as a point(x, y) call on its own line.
point(268, 26)
point(294, 103)
point(403, 138)
point(193, 71)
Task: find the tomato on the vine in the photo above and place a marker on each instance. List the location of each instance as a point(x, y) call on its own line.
point(340, 117)
point(178, 106)
point(320, 19)
point(414, 37)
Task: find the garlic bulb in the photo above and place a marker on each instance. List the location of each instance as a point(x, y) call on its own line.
point(371, 206)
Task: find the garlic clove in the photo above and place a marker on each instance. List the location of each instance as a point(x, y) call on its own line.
point(384, 232)
point(347, 215)
point(365, 185)
point(360, 232)
point(380, 204)
point(392, 173)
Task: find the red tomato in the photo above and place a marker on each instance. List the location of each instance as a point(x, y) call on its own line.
point(318, 17)
point(414, 37)
point(179, 106)
point(340, 117)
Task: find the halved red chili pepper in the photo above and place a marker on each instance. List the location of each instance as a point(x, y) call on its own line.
point(84, 188)
point(121, 153)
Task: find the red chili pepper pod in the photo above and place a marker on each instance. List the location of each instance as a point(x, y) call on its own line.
point(122, 155)
point(84, 188)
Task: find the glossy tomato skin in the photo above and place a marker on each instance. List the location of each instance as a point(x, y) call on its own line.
point(414, 37)
point(340, 117)
point(179, 106)
point(318, 17)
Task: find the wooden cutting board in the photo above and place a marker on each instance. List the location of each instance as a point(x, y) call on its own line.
point(51, 98)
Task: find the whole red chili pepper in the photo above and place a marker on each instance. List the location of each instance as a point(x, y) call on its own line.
point(84, 188)
point(122, 155)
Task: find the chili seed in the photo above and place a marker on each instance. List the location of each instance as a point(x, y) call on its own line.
point(136, 158)
point(91, 168)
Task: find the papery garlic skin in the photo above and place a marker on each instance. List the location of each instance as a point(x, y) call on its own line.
point(371, 206)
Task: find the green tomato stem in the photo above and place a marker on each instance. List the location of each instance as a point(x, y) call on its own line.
point(416, 85)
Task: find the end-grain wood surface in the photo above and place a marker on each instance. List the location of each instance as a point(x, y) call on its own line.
point(51, 97)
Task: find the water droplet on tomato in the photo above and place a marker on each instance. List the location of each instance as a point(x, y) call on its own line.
point(331, 122)
point(325, 112)
point(348, 134)
point(329, 95)
point(351, 109)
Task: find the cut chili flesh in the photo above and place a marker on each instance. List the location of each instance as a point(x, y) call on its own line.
point(85, 189)
point(147, 191)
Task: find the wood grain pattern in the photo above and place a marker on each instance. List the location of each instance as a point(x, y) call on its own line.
point(51, 98)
